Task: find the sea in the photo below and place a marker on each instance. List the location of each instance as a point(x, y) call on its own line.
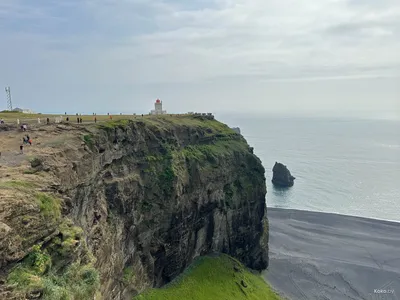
point(342, 165)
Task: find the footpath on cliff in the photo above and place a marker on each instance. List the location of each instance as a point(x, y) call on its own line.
point(328, 256)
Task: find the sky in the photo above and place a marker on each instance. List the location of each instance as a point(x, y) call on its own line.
point(338, 57)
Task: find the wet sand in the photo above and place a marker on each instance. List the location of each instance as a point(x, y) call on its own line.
point(327, 256)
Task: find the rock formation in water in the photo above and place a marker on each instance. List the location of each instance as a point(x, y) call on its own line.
point(128, 205)
point(281, 176)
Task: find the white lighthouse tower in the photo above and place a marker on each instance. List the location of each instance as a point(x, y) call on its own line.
point(158, 108)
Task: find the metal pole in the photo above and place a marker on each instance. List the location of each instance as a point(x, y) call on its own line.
point(9, 102)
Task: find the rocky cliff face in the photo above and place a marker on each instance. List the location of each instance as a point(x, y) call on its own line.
point(146, 197)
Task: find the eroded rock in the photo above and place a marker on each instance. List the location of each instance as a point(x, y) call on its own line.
point(281, 176)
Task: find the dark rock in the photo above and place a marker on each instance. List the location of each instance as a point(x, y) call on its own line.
point(281, 176)
point(35, 295)
point(243, 283)
point(7, 127)
point(36, 162)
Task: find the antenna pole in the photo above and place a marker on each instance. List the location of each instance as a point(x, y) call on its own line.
point(9, 102)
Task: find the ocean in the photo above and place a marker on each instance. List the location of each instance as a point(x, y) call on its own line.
point(345, 166)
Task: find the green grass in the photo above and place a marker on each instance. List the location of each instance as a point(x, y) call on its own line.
point(212, 278)
point(167, 122)
point(40, 269)
point(171, 121)
point(88, 139)
point(129, 275)
point(166, 179)
point(31, 171)
point(12, 116)
point(111, 124)
point(71, 235)
point(77, 283)
point(20, 185)
point(163, 122)
point(214, 150)
point(35, 162)
point(49, 206)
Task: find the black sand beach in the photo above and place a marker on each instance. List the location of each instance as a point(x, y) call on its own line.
point(327, 256)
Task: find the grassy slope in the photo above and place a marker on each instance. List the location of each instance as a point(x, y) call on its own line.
point(214, 278)
point(167, 122)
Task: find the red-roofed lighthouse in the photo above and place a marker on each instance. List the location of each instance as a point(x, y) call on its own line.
point(158, 108)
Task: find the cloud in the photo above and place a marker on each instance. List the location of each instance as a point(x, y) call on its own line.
point(207, 39)
point(129, 42)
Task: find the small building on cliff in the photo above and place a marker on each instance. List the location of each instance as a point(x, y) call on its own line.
point(236, 129)
point(158, 108)
point(23, 110)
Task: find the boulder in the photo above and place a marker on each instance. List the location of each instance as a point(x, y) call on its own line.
point(281, 176)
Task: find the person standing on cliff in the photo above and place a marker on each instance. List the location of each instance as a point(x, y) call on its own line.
point(21, 148)
point(29, 140)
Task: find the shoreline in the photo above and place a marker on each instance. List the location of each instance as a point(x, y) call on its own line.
point(331, 213)
point(315, 255)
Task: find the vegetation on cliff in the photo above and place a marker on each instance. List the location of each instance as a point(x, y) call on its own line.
point(61, 269)
point(214, 277)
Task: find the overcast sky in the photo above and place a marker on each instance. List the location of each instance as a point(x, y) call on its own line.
point(331, 56)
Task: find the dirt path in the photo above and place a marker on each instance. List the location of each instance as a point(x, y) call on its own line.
point(45, 140)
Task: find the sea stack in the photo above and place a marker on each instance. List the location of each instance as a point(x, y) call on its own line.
point(281, 176)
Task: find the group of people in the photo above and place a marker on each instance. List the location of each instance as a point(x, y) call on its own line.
point(25, 140)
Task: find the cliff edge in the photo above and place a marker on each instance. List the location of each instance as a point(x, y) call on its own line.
point(107, 211)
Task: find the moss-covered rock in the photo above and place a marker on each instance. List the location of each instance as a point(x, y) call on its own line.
point(46, 271)
point(50, 206)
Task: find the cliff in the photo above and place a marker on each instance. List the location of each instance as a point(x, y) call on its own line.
point(124, 206)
